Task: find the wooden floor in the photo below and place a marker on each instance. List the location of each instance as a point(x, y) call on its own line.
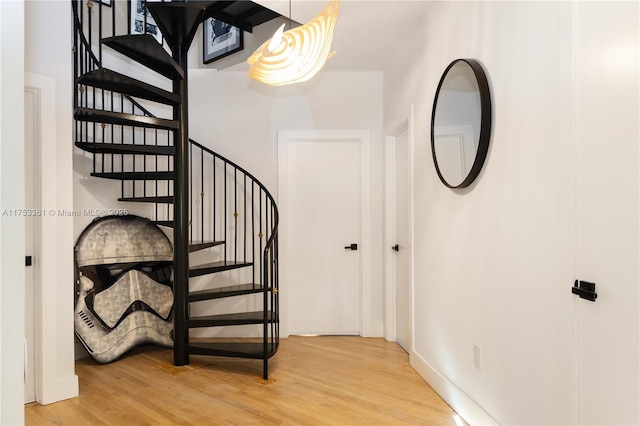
point(325, 380)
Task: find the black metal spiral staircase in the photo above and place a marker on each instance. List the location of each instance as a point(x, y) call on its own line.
point(213, 205)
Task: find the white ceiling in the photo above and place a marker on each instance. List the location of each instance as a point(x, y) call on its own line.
point(367, 32)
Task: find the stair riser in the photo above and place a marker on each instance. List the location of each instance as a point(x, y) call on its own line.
point(119, 149)
point(223, 295)
point(203, 324)
point(123, 119)
point(206, 271)
point(135, 176)
point(119, 83)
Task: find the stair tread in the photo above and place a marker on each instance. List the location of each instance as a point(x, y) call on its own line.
point(124, 119)
point(114, 148)
point(162, 199)
point(213, 267)
point(110, 80)
point(240, 318)
point(232, 349)
point(144, 49)
point(221, 292)
point(201, 245)
point(167, 223)
point(178, 22)
point(135, 175)
point(242, 14)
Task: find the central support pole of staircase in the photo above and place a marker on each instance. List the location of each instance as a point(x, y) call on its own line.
point(178, 22)
point(181, 213)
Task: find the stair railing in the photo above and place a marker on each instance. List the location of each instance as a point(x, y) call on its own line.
point(227, 203)
point(86, 60)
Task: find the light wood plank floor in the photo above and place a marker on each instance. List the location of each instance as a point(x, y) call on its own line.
point(327, 380)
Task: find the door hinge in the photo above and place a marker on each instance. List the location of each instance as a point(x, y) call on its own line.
point(28, 261)
point(585, 290)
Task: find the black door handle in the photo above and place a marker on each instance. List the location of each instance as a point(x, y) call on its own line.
point(353, 247)
point(28, 261)
point(395, 248)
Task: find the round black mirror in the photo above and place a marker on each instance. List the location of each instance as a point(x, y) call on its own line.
point(461, 123)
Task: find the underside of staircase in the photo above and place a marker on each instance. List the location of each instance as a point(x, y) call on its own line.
point(213, 208)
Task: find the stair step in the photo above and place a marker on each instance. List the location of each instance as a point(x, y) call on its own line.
point(242, 318)
point(253, 350)
point(144, 49)
point(242, 14)
point(201, 245)
point(124, 119)
point(103, 78)
point(136, 175)
point(167, 223)
point(163, 200)
point(112, 148)
point(178, 22)
point(222, 292)
point(213, 267)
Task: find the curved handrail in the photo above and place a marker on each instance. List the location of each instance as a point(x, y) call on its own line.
point(274, 231)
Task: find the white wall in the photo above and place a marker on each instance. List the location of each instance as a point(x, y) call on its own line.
point(494, 263)
point(11, 227)
point(239, 119)
point(48, 44)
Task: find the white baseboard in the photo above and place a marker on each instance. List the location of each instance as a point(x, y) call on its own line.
point(60, 389)
point(470, 411)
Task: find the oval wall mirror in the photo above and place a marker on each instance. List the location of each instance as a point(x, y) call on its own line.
point(461, 123)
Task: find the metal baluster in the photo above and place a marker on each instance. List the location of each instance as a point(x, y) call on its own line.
point(202, 195)
point(215, 200)
point(191, 191)
point(261, 234)
point(113, 17)
point(122, 138)
point(155, 139)
point(133, 157)
point(100, 32)
point(244, 202)
point(253, 235)
point(225, 212)
point(235, 214)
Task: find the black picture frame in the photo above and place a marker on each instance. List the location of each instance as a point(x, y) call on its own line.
point(219, 39)
point(138, 15)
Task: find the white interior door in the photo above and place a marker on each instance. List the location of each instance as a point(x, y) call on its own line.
point(31, 132)
point(608, 212)
point(320, 199)
point(403, 241)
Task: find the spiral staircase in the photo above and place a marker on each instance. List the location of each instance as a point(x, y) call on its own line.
point(224, 221)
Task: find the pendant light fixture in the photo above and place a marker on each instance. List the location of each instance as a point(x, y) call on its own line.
point(298, 54)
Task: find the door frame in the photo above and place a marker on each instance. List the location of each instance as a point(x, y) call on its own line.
point(363, 138)
point(390, 227)
point(51, 385)
point(34, 146)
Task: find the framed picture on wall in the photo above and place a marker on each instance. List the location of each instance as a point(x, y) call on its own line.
point(219, 40)
point(141, 21)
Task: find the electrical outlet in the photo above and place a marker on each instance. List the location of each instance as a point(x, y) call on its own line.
point(476, 355)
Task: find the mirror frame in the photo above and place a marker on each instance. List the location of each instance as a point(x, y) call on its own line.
point(485, 122)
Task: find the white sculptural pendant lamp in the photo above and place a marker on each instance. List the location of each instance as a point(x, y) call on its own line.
point(296, 55)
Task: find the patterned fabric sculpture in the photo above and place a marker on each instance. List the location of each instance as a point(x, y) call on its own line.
point(124, 295)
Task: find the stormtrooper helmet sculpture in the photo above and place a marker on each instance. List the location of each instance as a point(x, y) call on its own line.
point(124, 294)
